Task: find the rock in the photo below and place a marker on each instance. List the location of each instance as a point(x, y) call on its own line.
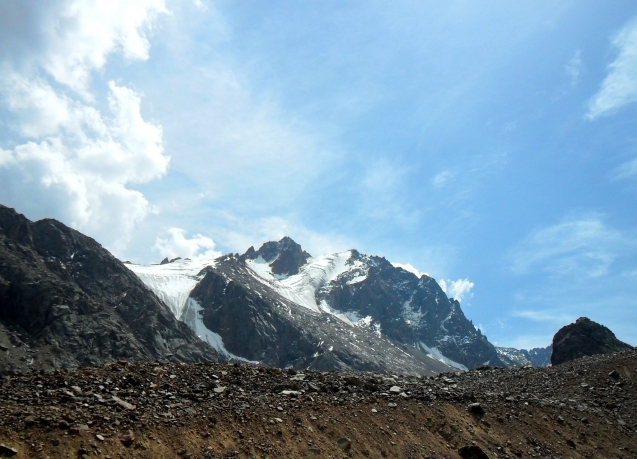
point(99, 437)
point(123, 403)
point(7, 450)
point(3, 347)
point(219, 390)
point(614, 374)
point(582, 338)
point(472, 452)
point(344, 443)
point(78, 428)
point(128, 438)
point(476, 408)
point(314, 450)
point(77, 390)
point(395, 389)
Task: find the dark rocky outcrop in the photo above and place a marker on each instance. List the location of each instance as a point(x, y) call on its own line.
point(285, 257)
point(582, 338)
point(65, 301)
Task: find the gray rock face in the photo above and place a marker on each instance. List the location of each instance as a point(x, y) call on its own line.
point(257, 323)
point(66, 302)
point(411, 310)
point(582, 338)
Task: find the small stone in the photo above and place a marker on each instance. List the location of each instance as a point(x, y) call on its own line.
point(3, 347)
point(77, 390)
point(278, 419)
point(99, 437)
point(219, 390)
point(374, 410)
point(392, 405)
point(614, 374)
point(279, 408)
point(128, 438)
point(560, 419)
point(314, 449)
point(7, 450)
point(344, 443)
point(476, 408)
point(290, 392)
point(395, 389)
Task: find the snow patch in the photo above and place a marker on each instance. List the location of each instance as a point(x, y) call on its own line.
point(172, 282)
point(434, 353)
point(192, 318)
point(301, 288)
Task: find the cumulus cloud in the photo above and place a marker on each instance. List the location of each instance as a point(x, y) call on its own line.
point(458, 289)
point(620, 85)
point(72, 159)
point(410, 269)
point(176, 244)
point(69, 39)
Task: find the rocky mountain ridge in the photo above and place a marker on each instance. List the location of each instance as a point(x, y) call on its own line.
point(282, 307)
point(67, 302)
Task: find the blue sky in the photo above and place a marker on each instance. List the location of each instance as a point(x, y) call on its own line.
point(488, 144)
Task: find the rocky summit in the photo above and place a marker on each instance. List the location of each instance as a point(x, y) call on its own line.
point(66, 302)
point(586, 408)
point(584, 337)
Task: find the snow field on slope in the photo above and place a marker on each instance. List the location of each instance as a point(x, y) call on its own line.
point(301, 288)
point(172, 282)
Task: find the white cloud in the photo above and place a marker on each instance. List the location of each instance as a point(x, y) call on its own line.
point(580, 247)
point(72, 161)
point(176, 244)
point(442, 178)
point(410, 269)
point(457, 289)
point(69, 39)
point(620, 85)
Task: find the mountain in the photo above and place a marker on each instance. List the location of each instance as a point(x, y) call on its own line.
point(582, 338)
point(537, 357)
point(281, 307)
point(65, 302)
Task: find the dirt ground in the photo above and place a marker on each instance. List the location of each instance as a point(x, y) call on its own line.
point(582, 409)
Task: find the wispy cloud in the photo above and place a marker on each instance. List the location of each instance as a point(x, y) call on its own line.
point(574, 67)
point(620, 85)
point(551, 316)
point(580, 246)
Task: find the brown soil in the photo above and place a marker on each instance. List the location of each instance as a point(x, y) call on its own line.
point(585, 408)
